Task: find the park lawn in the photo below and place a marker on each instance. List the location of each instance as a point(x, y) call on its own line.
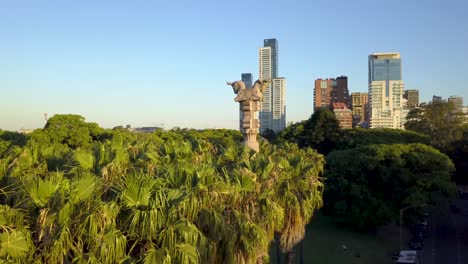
point(323, 244)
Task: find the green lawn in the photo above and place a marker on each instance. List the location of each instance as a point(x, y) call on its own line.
point(323, 244)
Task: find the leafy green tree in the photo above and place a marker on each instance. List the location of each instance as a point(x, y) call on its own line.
point(367, 186)
point(438, 120)
point(184, 196)
point(352, 138)
point(320, 132)
point(70, 130)
point(269, 135)
point(458, 152)
point(291, 133)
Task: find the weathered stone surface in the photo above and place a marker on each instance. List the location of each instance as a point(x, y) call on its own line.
point(249, 100)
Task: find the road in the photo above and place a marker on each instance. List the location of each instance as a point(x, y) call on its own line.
point(448, 238)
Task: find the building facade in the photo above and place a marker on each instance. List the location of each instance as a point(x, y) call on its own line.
point(247, 78)
point(340, 92)
point(272, 113)
point(360, 108)
point(322, 93)
point(436, 98)
point(330, 91)
point(412, 98)
point(343, 115)
point(279, 104)
point(457, 102)
point(386, 91)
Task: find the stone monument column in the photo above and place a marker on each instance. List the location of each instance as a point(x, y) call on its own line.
point(249, 103)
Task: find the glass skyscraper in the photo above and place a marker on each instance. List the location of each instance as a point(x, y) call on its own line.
point(385, 67)
point(386, 89)
point(247, 79)
point(273, 107)
point(273, 44)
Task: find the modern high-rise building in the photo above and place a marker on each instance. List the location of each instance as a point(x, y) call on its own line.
point(273, 45)
point(386, 91)
point(412, 97)
point(247, 79)
point(273, 107)
point(340, 92)
point(360, 108)
point(322, 93)
point(279, 104)
point(457, 102)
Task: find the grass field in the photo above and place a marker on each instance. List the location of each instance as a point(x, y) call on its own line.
point(323, 244)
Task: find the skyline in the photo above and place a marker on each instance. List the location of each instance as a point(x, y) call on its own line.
point(149, 63)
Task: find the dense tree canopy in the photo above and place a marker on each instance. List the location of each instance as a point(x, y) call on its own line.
point(457, 150)
point(438, 120)
point(367, 186)
point(70, 130)
point(185, 196)
point(320, 132)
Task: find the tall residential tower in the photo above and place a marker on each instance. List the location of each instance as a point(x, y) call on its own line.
point(386, 91)
point(273, 107)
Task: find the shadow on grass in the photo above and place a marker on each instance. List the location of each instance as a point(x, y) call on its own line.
point(326, 243)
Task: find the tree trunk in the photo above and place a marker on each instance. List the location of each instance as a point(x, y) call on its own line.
point(290, 256)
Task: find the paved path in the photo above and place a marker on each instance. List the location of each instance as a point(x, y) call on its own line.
point(448, 238)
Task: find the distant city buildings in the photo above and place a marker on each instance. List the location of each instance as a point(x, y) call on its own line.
point(360, 108)
point(386, 91)
point(343, 115)
point(457, 102)
point(273, 107)
point(247, 78)
point(340, 92)
point(412, 98)
point(436, 98)
point(144, 129)
point(330, 91)
point(322, 93)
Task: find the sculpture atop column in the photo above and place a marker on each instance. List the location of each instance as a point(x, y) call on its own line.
point(249, 101)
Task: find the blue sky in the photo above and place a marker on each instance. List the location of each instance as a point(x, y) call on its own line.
point(147, 63)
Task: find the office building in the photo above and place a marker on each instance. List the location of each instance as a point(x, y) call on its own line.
point(279, 104)
point(330, 91)
point(412, 98)
point(273, 107)
point(343, 115)
point(386, 91)
point(340, 93)
point(360, 108)
point(322, 93)
point(273, 45)
point(457, 102)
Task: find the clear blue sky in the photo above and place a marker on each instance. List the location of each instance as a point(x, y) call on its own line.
point(147, 63)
